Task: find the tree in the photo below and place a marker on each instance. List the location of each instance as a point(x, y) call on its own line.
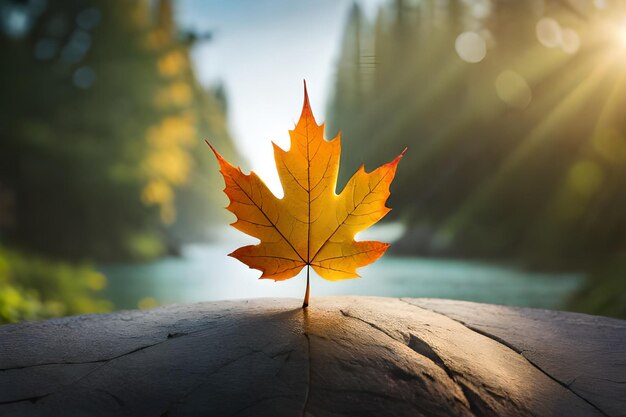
point(102, 118)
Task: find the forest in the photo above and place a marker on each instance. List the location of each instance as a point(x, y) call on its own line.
point(517, 139)
point(102, 156)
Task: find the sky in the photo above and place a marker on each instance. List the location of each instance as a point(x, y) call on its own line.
point(262, 50)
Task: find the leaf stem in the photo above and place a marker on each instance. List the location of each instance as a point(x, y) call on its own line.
point(305, 304)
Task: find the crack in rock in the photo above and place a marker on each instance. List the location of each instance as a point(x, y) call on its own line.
point(130, 352)
point(103, 363)
point(516, 350)
point(117, 399)
point(32, 400)
point(423, 349)
point(373, 325)
point(206, 379)
point(478, 406)
point(86, 362)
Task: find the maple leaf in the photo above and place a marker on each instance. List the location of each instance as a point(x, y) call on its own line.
point(311, 225)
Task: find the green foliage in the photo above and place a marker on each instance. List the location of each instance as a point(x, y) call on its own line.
point(99, 132)
point(605, 291)
point(145, 246)
point(35, 288)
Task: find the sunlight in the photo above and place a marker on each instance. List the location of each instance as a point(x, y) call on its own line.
point(571, 103)
point(621, 35)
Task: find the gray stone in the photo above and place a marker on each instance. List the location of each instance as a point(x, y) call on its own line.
point(343, 356)
point(586, 354)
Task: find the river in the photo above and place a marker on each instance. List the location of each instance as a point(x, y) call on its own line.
point(205, 273)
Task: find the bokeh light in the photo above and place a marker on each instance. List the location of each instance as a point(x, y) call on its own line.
point(549, 32)
point(585, 177)
point(84, 77)
point(513, 89)
point(471, 47)
point(570, 41)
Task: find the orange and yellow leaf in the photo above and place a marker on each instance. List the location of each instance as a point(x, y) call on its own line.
point(311, 225)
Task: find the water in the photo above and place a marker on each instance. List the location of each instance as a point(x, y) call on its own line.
point(205, 273)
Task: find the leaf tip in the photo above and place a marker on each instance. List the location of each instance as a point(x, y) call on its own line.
point(217, 155)
point(397, 159)
point(277, 148)
point(306, 96)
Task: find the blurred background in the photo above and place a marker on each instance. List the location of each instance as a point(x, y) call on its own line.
point(512, 191)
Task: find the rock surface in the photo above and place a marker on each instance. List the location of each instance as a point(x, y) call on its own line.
point(344, 356)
